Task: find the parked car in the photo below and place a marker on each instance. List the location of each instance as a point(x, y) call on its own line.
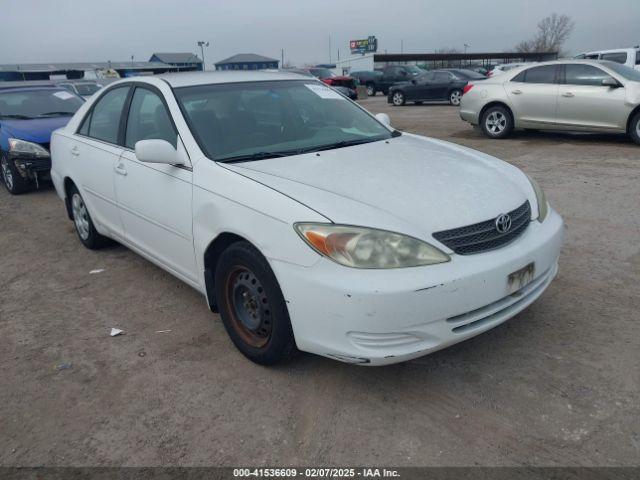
point(330, 78)
point(626, 56)
point(28, 115)
point(369, 78)
point(348, 92)
point(249, 187)
point(430, 86)
point(576, 95)
point(83, 89)
point(505, 67)
point(381, 81)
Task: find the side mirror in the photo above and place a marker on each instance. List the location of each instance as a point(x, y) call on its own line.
point(611, 83)
point(157, 151)
point(384, 119)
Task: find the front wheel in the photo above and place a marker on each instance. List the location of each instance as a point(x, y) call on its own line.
point(397, 98)
point(252, 307)
point(13, 181)
point(634, 128)
point(371, 90)
point(454, 98)
point(496, 122)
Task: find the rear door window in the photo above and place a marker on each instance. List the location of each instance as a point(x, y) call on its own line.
point(104, 121)
point(543, 74)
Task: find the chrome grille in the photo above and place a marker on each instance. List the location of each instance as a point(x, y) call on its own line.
point(483, 236)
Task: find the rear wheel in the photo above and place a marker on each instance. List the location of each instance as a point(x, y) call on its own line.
point(454, 97)
point(371, 90)
point(252, 306)
point(397, 98)
point(496, 122)
point(13, 181)
point(634, 128)
point(85, 228)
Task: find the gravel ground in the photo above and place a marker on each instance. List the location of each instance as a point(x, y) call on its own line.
point(557, 385)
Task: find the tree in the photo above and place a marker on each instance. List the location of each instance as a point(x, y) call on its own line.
point(553, 32)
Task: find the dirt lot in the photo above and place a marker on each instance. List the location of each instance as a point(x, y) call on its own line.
point(557, 385)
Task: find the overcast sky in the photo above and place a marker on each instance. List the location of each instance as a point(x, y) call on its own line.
point(101, 30)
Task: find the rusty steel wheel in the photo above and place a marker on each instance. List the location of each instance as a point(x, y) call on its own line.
point(251, 304)
point(250, 311)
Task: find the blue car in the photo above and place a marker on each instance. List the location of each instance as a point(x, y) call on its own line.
point(28, 116)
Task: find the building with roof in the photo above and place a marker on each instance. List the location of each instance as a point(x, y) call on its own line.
point(247, 61)
point(182, 61)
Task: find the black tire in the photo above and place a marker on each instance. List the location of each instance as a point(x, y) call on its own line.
point(634, 128)
point(371, 89)
point(13, 181)
point(83, 223)
point(496, 122)
point(252, 307)
point(397, 98)
point(455, 97)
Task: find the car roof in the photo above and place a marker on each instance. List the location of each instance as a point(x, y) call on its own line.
point(613, 50)
point(185, 79)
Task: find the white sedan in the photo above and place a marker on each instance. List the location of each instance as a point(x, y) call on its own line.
point(308, 223)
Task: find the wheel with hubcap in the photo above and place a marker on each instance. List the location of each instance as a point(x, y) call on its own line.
point(455, 97)
point(371, 90)
point(85, 228)
point(252, 306)
point(634, 128)
point(13, 181)
point(397, 98)
point(496, 122)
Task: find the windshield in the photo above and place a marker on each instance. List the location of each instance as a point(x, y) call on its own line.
point(87, 88)
point(38, 103)
point(469, 74)
point(266, 119)
point(623, 70)
point(413, 70)
point(322, 73)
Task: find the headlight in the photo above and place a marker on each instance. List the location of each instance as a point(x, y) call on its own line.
point(360, 247)
point(543, 206)
point(27, 148)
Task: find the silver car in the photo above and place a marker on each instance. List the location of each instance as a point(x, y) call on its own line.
point(573, 95)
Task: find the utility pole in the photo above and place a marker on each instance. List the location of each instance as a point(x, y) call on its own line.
point(132, 60)
point(401, 46)
point(203, 44)
point(329, 48)
point(466, 45)
point(282, 58)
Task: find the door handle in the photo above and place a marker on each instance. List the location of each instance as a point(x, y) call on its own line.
point(120, 170)
point(568, 94)
point(516, 92)
point(75, 151)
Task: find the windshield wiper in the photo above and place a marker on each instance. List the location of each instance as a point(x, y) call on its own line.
point(16, 115)
point(258, 156)
point(341, 144)
point(51, 114)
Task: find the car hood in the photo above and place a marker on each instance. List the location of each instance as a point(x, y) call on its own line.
point(410, 184)
point(36, 130)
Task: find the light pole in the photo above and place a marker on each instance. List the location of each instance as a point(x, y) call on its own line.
point(203, 44)
point(466, 45)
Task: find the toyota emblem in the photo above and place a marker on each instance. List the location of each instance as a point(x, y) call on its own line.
point(503, 223)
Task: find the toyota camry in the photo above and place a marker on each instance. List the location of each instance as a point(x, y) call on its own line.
point(306, 222)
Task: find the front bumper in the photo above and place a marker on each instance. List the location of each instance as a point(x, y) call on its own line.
point(379, 317)
point(31, 166)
